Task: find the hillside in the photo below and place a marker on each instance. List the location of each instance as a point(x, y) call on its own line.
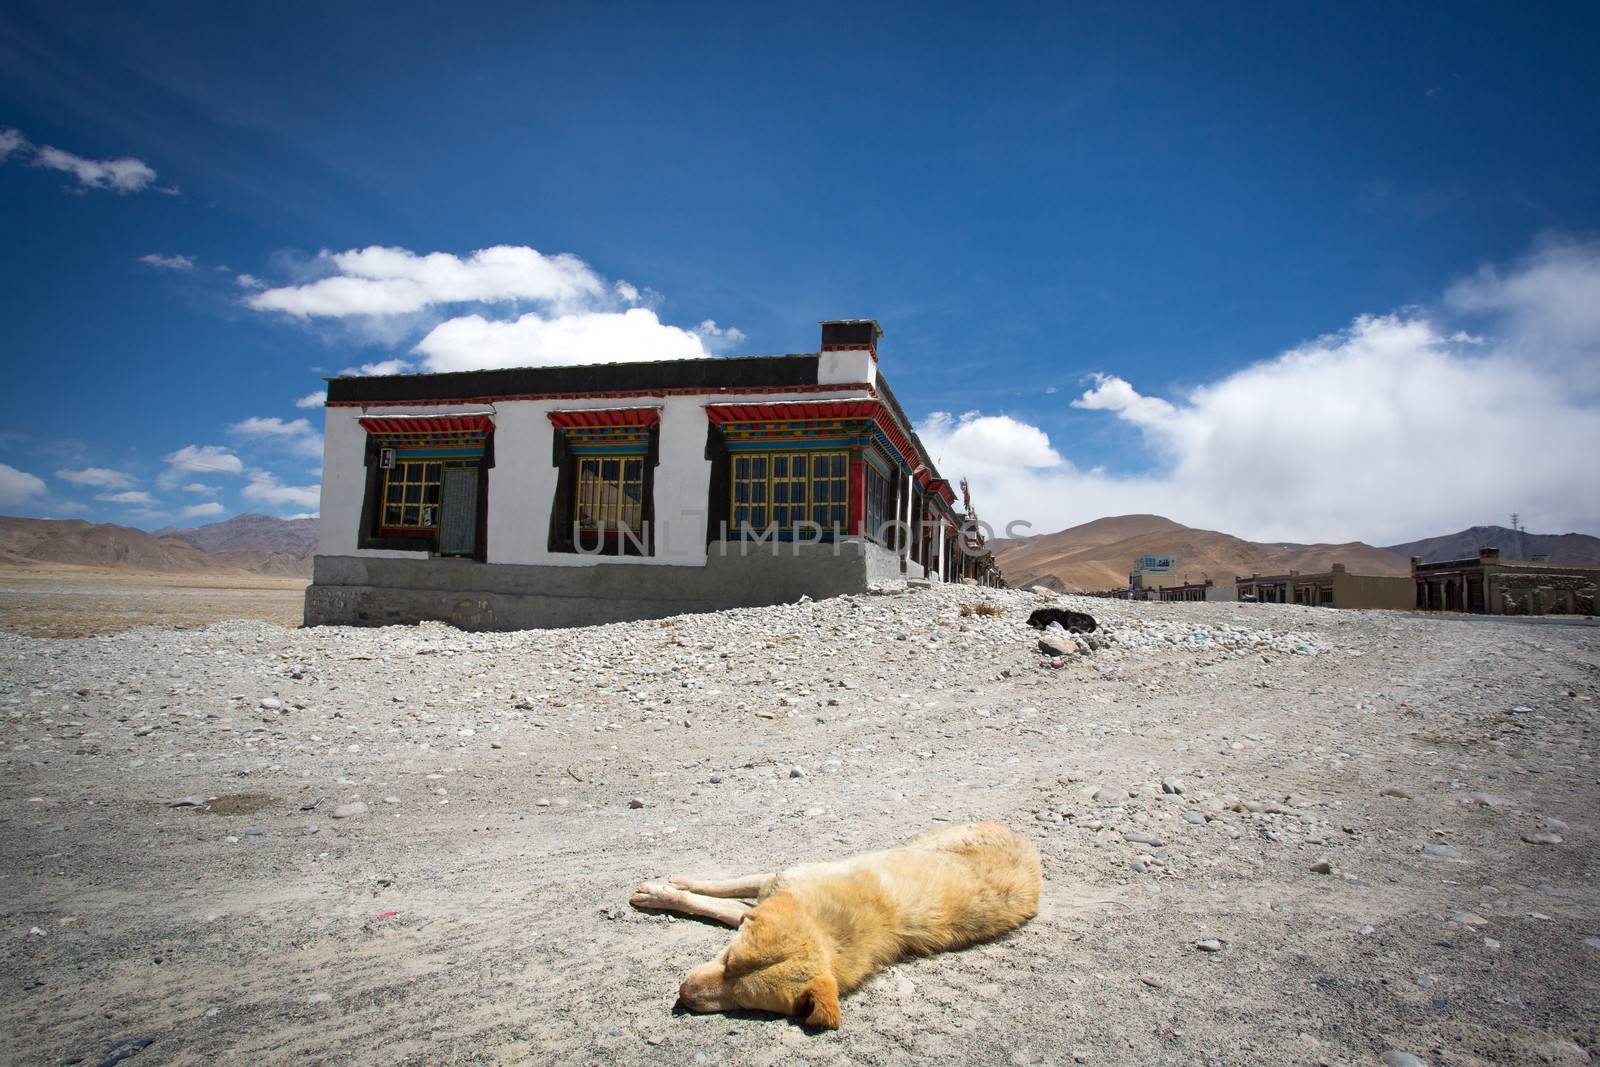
point(1513, 544)
point(41, 544)
point(1098, 555)
point(249, 533)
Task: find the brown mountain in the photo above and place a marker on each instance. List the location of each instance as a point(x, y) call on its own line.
point(249, 533)
point(40, 544)
point(1099, 554)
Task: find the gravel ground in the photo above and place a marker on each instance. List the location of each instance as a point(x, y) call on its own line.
point(1271, 834)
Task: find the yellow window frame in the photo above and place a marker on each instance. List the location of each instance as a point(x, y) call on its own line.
point(787, 482)
point(603, 502)
point(411, 494)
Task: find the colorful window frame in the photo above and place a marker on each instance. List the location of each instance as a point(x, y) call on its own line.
point(782, 490)
point(610, 494)
point(410, 498)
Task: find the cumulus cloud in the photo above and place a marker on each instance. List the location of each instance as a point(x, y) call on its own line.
point(123, 175)
point(264, 488)
point(1400, 426)
point(161, 262)
point(295, 436)
point(312, 400)
point(203, 511)
point(248, 281)
point(474, 311)
point(131, 496)
point(382, 367)
point(18, 487)
point(99, 478)
point(198, 459)
point(199, 489)
point(473, 342)
point(396, 281)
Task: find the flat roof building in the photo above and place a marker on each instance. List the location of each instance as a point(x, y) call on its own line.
point(1494, 586)
point(563, 496)
point(1335, 588)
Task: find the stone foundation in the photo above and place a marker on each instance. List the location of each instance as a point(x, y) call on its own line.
point(373, 591)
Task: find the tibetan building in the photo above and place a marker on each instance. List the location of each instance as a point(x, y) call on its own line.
point(567, 496)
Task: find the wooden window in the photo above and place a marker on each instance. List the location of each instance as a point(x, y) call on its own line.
point(411, 495)
point(750, 494)
point(785, 489)
point(880, 494)
point(610, 494)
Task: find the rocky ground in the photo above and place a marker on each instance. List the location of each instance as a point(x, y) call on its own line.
point(1271, 834)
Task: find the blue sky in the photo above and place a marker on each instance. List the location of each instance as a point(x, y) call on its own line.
point(1100, 240)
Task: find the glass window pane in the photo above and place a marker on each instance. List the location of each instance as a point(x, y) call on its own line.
point(839, 465)
point(391, 516)
point(780, 466)
point(819, 466)
point(433, 471)
point(633, 470)
point(609, 469)
point(741, 467)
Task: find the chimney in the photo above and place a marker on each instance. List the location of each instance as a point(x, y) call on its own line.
point(847, 335)
point(1488, 553)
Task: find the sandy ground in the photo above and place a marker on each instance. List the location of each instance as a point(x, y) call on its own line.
point(476, 912)
point(84, 603)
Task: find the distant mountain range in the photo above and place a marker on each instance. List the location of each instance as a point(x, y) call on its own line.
point(1094, 556)
point(245, 544)
point(1513, 544)
point(1099, 554)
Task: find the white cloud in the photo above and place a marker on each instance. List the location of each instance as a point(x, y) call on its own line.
point(1396, 428)
point(473, 342)
point(18, 487)
point(124, 175)
point(249, 281)
point(199, 489)
point(210, 459)
point(395, 281)
point(264, 488)
point(156, 259)
point(382, 367)
point(297, 435)
point(203, 511)
point(719, 338)
point(312, 400)
point(131, 496)
point(198, 459)
point(99, 477)
point(473, 310)
point(11, 141)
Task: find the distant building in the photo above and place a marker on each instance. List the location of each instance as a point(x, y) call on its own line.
point(1336, 588)
point(1197, 592)
point(564, 496)
point(1493, 586)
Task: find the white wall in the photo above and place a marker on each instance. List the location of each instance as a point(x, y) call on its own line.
point(847, 367)
point(522, 483)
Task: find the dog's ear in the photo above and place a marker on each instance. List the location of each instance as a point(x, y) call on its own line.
point(821, 999)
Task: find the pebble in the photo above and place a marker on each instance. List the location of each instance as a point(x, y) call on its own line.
point(193, 800)
point(344, 811)
point(716, 779)
point(1144, 839)
point(635, 802)
point(271, 704)
point(1542, 838)
point(1210, 944)
point(1194, 817)
point(1442, 852)
point(391, 800)
point(797, 772)
point(253, 831)
point(1396, 792)
point(1172, 785)
point(1152, 981)
point(1468, 918)
point(1322, 867)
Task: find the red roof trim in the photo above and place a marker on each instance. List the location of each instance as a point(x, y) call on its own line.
point(428, 424)
point(793, 411)
point(605, 418)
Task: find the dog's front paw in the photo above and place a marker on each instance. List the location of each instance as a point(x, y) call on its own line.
point(653, 896)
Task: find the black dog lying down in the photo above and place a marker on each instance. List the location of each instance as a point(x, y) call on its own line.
point(1074, 622)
